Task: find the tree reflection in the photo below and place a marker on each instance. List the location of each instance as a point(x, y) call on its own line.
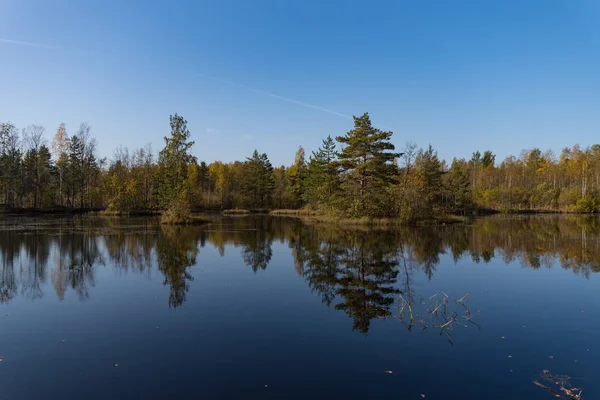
point(33, 272)
point(352, 270)
point(78, 254)
point(357, 271)
point(9, 250)
point(176, 251)
point(366, 278)
point(256, 250)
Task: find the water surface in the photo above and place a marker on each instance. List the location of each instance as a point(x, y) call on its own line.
point(265, 307)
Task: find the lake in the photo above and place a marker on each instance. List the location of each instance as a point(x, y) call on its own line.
point(272, 308)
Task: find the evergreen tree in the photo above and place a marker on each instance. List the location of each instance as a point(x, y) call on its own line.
point(322, 175)
point(366, 161)
point(458, 187)
point(429, 171)
point(203, 177)
point(488, 159)
point(258, 181)
point(173, 161)
point(76, 173)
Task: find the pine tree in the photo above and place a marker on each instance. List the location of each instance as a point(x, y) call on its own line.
point(322, 175)
point(429, 172)
point(458, 187)
point(173, 161)
point(258, 181)
point(366, 161)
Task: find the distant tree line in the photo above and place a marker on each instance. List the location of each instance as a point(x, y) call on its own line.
point(355, 175)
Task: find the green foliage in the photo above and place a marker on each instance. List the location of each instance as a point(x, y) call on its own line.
point(296, 176)
point(179, 213)
point(488, 159)
point(587, 204)
point(458, 187)
point(363, 179)
point(429, 172)
point(173, 162)
point(366, 162)
point(322, 176)
point(258, 183)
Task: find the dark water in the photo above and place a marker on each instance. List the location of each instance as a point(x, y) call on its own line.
point(259, 307)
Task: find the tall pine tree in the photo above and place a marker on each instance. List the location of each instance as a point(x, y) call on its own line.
point(173, 161)
point(366, 161)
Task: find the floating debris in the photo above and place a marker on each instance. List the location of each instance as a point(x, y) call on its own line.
point(559, 386)
point(1, 358)
point(387, 371)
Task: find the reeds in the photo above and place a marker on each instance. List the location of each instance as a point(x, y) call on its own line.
point(293, 212)
point(235, 211)
point(440, 312)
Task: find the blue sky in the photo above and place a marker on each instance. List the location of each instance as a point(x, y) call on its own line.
point(273, 75)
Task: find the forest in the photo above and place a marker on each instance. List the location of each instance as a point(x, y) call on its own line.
point(359, 174)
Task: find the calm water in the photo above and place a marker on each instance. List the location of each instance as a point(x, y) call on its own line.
point(258, 307)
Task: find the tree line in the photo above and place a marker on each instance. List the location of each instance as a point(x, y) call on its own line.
point(359, 174)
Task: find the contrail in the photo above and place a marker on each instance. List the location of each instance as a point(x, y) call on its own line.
point(30, 44)
point(276, 96)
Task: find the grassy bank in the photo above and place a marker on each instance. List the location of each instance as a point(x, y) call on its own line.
point(293, 212)
point(387, 222)
point(235, 211)
point(131, 213)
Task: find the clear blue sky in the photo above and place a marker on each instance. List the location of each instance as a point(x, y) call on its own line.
point(462, 75)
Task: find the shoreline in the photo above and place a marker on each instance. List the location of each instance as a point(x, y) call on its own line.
point(309, 216)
